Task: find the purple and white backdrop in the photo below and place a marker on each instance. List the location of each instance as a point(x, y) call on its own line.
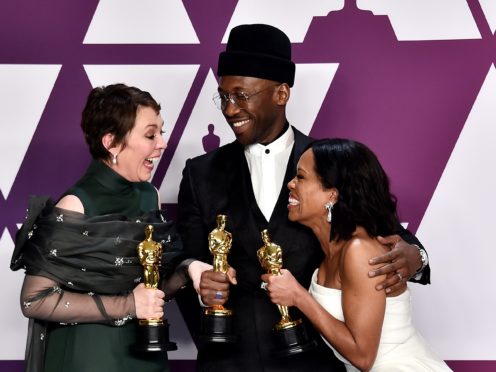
point(413, 79)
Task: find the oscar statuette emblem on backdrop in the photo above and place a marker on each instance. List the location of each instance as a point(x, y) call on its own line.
point(290, 335)
point(216, 322)
point(152, 334)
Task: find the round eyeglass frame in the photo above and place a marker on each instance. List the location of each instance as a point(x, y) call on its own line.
point(238, 99)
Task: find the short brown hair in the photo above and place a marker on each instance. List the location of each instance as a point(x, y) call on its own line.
point(112, 109)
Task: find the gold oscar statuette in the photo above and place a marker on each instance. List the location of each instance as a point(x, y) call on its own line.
point(153, 334)
point(290, 335)
point(216, 325)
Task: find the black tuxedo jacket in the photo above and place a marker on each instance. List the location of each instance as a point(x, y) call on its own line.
point(219, 183)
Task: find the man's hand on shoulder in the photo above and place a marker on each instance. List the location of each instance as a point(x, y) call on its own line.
point(401, 263)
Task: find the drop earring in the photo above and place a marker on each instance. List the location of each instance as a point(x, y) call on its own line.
point(329, 206)
point(114, 159)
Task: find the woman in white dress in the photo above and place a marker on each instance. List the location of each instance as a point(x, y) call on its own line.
point(342, 193)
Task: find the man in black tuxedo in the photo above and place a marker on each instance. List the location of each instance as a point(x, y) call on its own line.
point(246, 180)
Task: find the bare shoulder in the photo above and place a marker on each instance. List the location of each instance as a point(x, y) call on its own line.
point(360, 249)
point(71, 203)
point(362, 245)
point(356, 255)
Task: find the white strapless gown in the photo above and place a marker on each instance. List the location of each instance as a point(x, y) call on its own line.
point(401, 348)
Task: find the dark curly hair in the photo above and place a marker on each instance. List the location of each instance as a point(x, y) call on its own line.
point(112, 109)
point(364, 196)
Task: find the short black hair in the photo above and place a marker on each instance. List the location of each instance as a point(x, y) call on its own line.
point(363, 186)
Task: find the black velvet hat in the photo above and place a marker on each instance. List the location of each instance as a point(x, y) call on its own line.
point(260, 51)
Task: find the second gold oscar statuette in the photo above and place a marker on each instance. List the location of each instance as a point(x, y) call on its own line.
point(290, 335)
point(216, 323)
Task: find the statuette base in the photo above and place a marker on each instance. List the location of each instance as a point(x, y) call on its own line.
point(153, 337)
point(292, 339)
point(216, 326)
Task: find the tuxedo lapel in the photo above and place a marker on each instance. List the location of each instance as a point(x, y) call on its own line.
point(244, 215)
point(280, 212)
point(242, 197)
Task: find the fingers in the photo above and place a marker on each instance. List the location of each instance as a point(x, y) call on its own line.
point(149, 302)
point(266, 277)
point(403, 256)
point(214, 287)
point(387, 269)
point(394, 281)
point(389, 240)
point(212, 280)
point(212, 297)
point(281, 288)
point(396, 288)
point(231, 274)
point(385, 258)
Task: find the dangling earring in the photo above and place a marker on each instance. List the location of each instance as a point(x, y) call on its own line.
point(329, 206)
point(114, 159)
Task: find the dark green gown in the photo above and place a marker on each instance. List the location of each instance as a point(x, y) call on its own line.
point(101, 347)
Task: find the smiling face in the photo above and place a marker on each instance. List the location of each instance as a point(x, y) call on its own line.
point(307, 195)
point(262, 117)
point(143, 147)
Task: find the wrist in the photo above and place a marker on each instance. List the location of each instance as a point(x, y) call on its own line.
point(301, 297)
point(424, 258)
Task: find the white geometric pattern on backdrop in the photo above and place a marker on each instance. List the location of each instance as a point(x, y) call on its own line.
point(168, 84)
point(426, 19)
point(203, 114)
point(141, 22)
point(444, 320)
point(294, 21)
point(489, 8)
point(28, 87)
point(464, 193)
point(312, 82)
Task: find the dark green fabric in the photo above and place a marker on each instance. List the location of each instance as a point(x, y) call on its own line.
point(91, 254)
point(103, 191)
point(99, 347)
point(96, 347)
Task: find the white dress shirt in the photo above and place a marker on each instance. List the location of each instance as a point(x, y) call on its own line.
point(267, 165)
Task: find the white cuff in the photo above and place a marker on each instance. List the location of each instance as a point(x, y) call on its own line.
point(201, 302)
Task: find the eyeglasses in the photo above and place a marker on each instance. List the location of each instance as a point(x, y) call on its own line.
point(239, 99)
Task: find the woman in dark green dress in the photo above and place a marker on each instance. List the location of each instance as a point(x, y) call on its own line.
point(82, 288)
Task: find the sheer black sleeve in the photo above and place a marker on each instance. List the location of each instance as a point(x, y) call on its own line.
point(44, 299)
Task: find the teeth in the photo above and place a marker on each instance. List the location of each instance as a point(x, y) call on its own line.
point(151, 160)
point(240, 123)
point(293, 201)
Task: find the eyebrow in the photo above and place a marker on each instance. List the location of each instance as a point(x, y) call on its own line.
point(234, 89)
point(154, 125)
point(301, 169)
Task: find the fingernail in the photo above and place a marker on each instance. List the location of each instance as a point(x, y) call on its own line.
point(388, 290)
point(379, 287)
point(371, 274)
